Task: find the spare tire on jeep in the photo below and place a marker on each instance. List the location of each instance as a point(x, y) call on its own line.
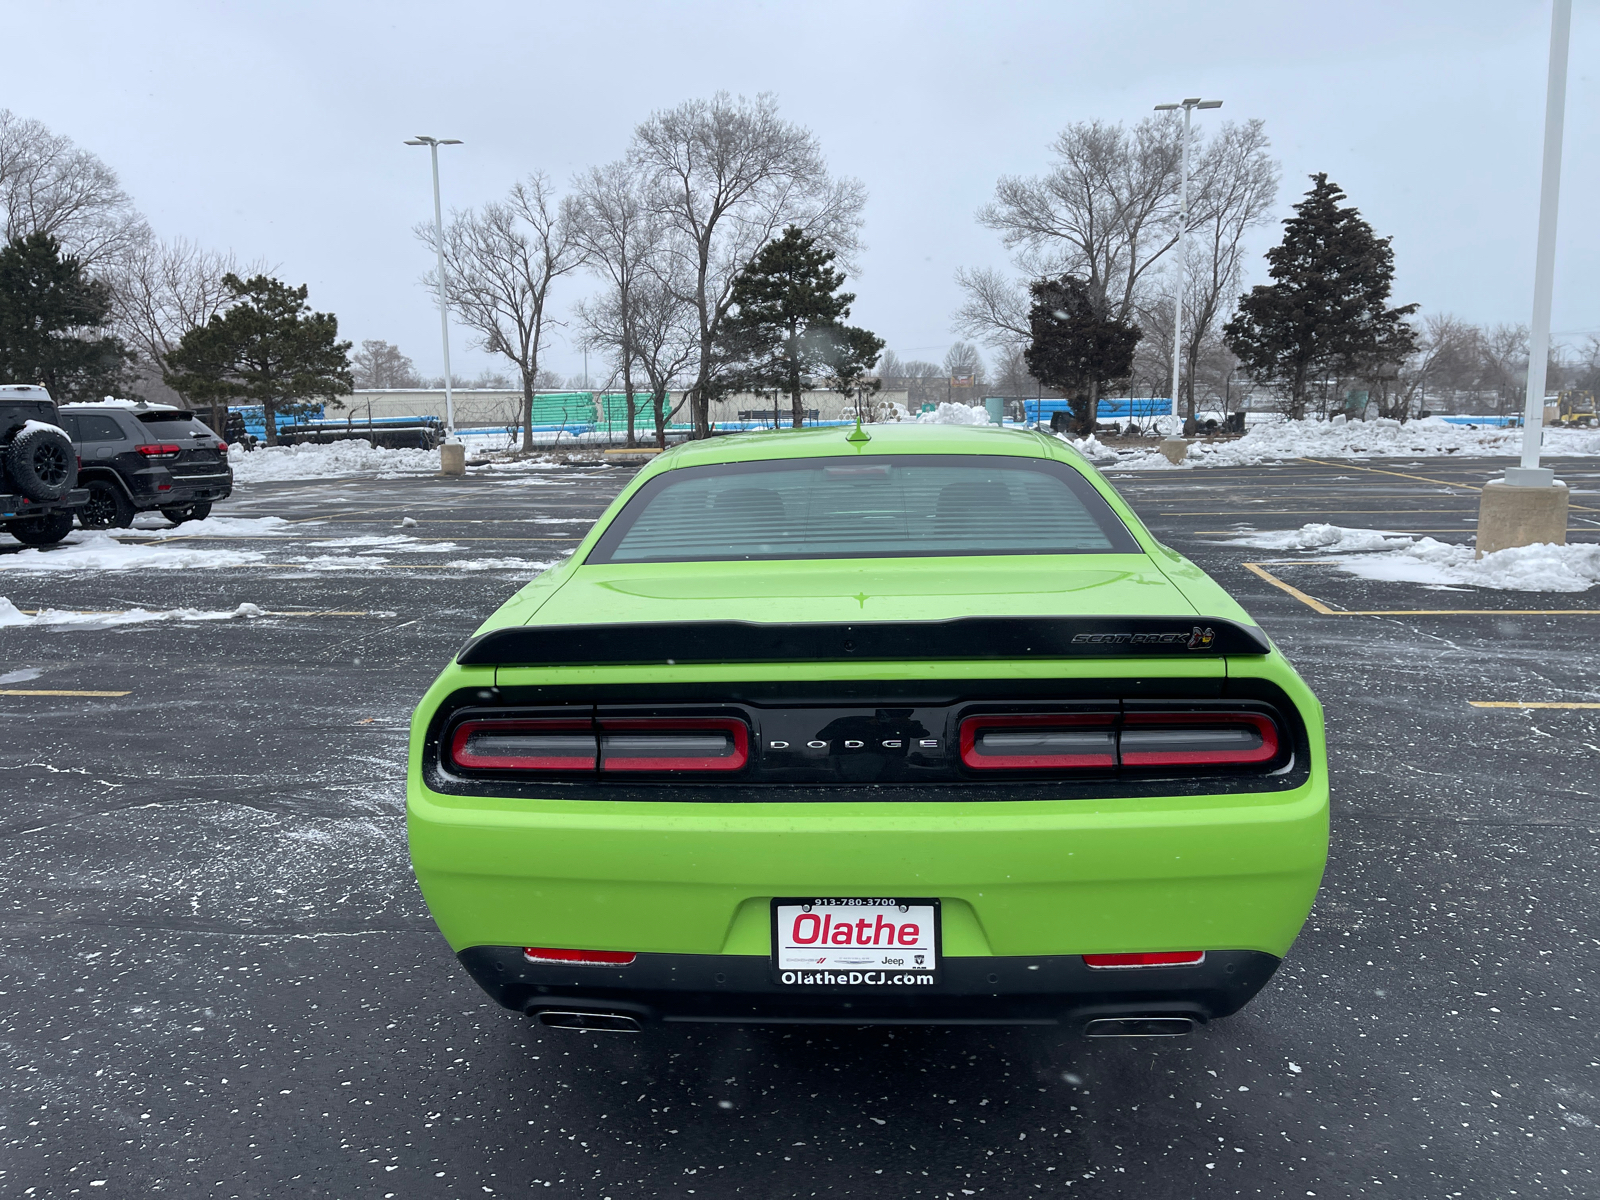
point(41, 462)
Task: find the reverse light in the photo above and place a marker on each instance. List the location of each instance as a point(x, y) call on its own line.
point(160, 450)
point(1160, 958)
point(578, 958)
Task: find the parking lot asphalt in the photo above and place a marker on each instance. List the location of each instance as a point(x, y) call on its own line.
point(219, 979)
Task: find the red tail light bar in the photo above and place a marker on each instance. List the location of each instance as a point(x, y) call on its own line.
point(612, 744)
point(1073, 741)
point(1161, 958)
point(163, 450)
point(578, 958)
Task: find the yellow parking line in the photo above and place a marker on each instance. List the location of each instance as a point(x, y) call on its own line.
point(1318, 606)
point(40, 692)
point(1531, 704)
point(1422, 478)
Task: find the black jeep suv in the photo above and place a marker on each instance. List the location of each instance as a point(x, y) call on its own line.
point(142, 456)
point(38, 468)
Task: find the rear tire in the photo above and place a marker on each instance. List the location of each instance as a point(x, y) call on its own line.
point(198, 511)
point(44, 530)
point(107, 508)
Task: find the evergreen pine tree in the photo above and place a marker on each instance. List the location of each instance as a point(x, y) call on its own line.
point(52, 321)
point(1077, 347)
point(787, 324)
point(269, 347)
point(1326, 310)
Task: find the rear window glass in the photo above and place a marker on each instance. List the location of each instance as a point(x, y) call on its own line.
point(173, 424)
point(883, 506)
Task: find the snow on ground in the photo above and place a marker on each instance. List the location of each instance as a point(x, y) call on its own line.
point(97, 550)
point(11, 616)
point(1395, 558)
point(1269, 440)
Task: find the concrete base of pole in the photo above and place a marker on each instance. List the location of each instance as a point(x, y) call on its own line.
point(1509, 516)
point(1174, 450)
point(453, 460)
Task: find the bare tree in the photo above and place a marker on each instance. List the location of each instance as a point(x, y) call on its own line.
point(726, 175)
point(49, 185)
point(500, 262)
point(666, 343)
point(1503, 364)
point(622, 236)
point(963, 359)
point(379, 364)
point(160, 290)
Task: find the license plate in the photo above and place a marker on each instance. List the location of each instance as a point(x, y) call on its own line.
point(832, 942)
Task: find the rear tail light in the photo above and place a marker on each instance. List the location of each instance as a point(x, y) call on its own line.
point(1197, 739)
point(163, 450)
point(578, 958)
point(673, 744)
point(565, 745)
point(538, 745)
point(1090, 741)
point(222, 448)
point(1029, 743)
point(1161, 958)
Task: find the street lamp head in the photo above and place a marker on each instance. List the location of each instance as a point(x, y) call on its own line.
point(1209, 104)
point(457, 141)
point(420, 141)
point(1165, 107)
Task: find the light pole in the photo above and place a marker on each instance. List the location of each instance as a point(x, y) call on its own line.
point(1530, 473)
point(433, 145)
point(1188, 107)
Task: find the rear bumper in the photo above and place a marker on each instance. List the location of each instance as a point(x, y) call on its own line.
point(738, 988)
point(20, 506)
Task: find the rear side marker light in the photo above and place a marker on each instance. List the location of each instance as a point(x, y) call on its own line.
point(1161, 958)
point(535, 745)
point(1024, 742)
point(673, 744)
point(578, 958)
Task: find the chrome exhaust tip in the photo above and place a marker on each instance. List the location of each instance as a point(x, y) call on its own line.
point(1126, 1027)
point(595, 1022)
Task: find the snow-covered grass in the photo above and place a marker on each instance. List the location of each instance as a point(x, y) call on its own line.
point(1275, 440)
point(1396, 558)
point(10, 616)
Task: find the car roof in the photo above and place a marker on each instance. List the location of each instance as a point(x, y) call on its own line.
point(902, 437)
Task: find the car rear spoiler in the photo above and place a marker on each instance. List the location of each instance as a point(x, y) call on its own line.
point(675, 642)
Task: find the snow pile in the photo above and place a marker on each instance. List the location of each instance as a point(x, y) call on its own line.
point(97, 550)
point(10, 616)
point(1333, 538)
point(274, 464)
point(1542, 568)
point(1396, 558)
point(1267, 441)
point(152, 526)
point(499, 564)
point(954, 414)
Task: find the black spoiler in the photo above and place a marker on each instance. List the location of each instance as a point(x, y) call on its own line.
point(675, 642)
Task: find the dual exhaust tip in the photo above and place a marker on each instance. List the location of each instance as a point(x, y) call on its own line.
point(1100, 1027)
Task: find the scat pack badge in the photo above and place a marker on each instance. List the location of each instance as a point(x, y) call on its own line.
point(1196, 639)
point(1201, 639)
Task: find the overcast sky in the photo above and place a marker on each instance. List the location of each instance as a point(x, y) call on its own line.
point(276, 128)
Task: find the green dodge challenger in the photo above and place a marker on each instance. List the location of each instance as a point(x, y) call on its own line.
point(903, 724)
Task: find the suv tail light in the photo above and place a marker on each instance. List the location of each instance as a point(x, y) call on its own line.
point(611, 745)
point(161, 450)
point(222, 449)
point(673, 744)
point(1090, 741)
